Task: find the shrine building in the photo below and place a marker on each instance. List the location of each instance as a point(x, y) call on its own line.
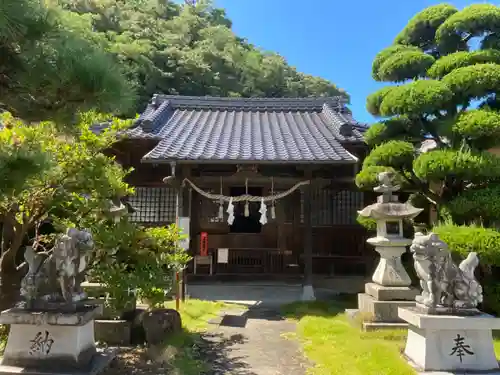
point(267, 184)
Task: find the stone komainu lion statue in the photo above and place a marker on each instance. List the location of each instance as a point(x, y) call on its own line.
point(443, 283)
point(56, 277)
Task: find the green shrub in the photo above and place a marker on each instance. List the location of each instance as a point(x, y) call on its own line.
point(476, 205)
point(367, 222)
point(138, 260)
point(462, 240)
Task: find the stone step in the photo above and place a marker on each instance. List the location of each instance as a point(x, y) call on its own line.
point(391, 293)
point(375, 326)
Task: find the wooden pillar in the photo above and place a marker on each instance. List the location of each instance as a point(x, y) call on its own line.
point(307, 289)
point(185, 196)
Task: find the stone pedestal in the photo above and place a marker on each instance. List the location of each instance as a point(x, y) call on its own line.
point(390, 271)
point(450, 343)
point(378, 306)
point(52, 342)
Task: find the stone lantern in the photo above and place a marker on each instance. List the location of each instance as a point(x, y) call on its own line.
point(390, 286)
point(390, 243)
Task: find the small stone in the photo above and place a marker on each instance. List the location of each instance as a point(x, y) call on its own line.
point(159, 324)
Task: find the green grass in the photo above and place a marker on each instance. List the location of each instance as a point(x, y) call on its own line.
point(196, 313)
point(336, 346)
point(4, 333)
point(182, 347)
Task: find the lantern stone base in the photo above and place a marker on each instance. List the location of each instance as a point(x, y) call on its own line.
point(52, 342)
point(378, 306)
point(450, 343)
point(308, 293)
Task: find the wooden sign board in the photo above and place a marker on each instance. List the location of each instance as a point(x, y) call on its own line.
point(222, 255)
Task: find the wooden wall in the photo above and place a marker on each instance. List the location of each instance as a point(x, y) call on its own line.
point(339, 243)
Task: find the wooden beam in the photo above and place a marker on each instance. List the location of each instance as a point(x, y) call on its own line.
point(279, 182)
point(308, 239)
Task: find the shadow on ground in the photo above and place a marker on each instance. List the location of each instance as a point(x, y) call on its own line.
point(295, 310)
point(186, 353)
point(207, 353)
point(214, 350)
point(213, 353)
point(323, 308)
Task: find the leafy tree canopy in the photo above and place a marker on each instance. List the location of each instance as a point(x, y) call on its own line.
point(47, 71)
point(73, 180)
point(184, 49)
point(439, 112)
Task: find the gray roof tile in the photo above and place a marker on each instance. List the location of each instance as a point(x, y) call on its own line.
point(255, 129)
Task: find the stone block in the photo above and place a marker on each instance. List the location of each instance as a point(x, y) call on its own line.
point(372, 326)
point(450, 343)
point(159, 324)
point(113, 332)
point(356, 317)
point(381, 311)
point(19, 316)
point(391, 293)
point(48, 346)
point(100, 361)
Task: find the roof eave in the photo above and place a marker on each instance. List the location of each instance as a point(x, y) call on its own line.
point(226, 161)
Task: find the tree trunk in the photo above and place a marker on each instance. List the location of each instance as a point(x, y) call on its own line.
point(10, 279)
point(10, 284)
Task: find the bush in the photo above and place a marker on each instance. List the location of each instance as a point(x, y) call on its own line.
point(476, 205)
point(462, 240)
point(139, 260)
point(368, 223)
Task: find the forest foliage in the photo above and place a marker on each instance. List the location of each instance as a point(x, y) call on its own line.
point(165, 47)
point(47, 71)
point(64, 63)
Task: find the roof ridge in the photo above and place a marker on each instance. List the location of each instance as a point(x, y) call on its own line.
point(297, 103)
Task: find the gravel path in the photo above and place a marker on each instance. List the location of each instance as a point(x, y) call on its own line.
point(252, 343)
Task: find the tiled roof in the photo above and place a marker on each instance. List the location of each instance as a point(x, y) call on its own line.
point(250, 129)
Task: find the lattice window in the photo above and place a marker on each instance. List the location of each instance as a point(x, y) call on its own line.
point(346, 206)
point(154, 205)
point(333, 207)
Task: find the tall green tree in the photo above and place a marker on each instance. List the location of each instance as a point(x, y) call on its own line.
point(439, 112)
point(72, 182)
point(48, 71)
point(186, 49)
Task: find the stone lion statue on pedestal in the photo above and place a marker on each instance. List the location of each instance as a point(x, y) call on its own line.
point(443, 283)
point(56, 276)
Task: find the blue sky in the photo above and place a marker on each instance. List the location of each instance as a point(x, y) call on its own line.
point(334, 39)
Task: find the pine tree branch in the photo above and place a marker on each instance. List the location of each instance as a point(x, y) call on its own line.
point(465, 106)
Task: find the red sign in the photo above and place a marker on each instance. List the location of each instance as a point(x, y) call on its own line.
point(204, 244)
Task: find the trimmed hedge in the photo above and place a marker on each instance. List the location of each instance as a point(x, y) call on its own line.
point(462, 240)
